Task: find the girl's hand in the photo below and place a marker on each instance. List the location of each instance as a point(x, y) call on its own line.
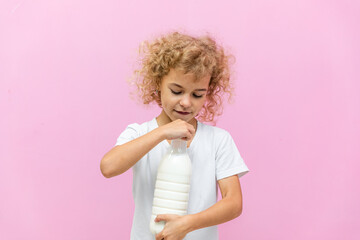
point(178, 129)
point(175, 228)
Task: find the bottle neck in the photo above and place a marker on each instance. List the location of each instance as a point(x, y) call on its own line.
point(178, 146)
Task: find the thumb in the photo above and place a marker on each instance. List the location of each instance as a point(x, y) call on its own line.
point(162, 217)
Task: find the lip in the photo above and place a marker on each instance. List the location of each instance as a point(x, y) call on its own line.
point(182, 113)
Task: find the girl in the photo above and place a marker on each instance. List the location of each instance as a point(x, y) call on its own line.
point(186, 77)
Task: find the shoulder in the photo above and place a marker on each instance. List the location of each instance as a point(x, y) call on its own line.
point(142, 128)
point(216, 132)
point(135, 130)
point(216, 137)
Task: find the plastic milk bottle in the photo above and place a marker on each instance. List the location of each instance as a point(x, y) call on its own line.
point(172, 184)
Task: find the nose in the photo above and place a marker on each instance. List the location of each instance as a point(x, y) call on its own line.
point(185, 101)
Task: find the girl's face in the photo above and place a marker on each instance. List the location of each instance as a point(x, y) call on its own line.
point(182, 97)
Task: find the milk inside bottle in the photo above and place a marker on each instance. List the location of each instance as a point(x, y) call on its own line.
point(172, 185)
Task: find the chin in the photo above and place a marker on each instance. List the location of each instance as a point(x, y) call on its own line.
point(184, 118)
point(187, 119)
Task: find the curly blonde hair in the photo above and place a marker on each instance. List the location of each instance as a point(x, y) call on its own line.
point(198, 56)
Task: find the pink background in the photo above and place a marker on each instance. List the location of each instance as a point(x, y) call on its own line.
point(64, 101)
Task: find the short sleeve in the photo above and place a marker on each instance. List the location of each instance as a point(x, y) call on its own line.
point(228, 159)
point(130, 133)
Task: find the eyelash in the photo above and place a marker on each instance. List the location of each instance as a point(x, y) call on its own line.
point(195, 96)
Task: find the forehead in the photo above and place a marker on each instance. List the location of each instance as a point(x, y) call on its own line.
point(186, 80)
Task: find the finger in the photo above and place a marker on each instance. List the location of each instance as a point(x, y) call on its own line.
point(193, 129)
point(186, 136)
point(189, 136)
point(159, 236)
point(161, 217)
point(165, 217)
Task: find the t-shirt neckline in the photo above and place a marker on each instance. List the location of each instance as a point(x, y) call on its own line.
point(192, 142)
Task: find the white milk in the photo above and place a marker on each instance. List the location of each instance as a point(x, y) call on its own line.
point(172, 184)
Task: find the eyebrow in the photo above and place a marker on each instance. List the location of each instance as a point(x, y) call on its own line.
point(202, 89)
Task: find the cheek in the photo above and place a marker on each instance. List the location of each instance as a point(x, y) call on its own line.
point(198, 106)
point(202, 102)
point(167, 101)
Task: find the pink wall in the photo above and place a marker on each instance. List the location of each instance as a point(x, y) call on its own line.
point(64, 101)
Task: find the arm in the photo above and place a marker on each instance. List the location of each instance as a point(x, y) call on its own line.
point(228, 208)
point(120, 158)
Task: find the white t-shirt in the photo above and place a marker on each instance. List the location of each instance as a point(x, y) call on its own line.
point(214, 156)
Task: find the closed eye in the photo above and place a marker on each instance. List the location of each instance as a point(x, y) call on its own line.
point(197, 96)
point(176, 93)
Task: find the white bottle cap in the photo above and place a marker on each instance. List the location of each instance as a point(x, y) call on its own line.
point(178, 146)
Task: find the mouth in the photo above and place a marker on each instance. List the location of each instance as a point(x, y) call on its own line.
point(182, 113)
